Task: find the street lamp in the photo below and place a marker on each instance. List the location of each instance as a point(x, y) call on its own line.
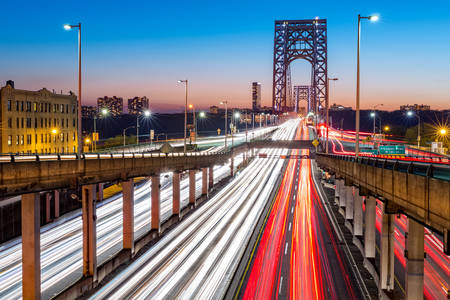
point(124, 131)
point(103, 113)
point(194, 125)
point(185, 81)
point(69, 27)
point(410, 113)
point(387, 128)
point(327, 108)
point(371, 18)
point(226, 121)
point(373, 115)
point(146, 114)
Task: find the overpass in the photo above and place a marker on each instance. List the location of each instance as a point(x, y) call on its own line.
point(29, 175)
point(421, 191)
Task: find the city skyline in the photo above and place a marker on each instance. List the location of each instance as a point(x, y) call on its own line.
point(223, 52)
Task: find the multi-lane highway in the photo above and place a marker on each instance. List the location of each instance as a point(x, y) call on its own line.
point(298, 256)
point(198, 258)
point(61, 243)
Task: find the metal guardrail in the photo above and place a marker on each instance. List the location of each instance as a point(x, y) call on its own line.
point(433, 170)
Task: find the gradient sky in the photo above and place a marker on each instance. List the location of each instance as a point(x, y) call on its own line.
point(143, 47)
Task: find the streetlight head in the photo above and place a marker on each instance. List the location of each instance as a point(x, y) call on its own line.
point(374, 18)
point(372, 114)
point(87, 140)
point(386, 128)
point(67, 27)
point(54, 131)
point(237, 115)
point(443, 131)
point(409, 113)
point(104, 111)
point(147, 113)
point(202, 114)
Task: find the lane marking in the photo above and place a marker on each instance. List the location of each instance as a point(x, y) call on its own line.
point(292, 210)
point(285, 249)
point(281, 282)
point(290, 226)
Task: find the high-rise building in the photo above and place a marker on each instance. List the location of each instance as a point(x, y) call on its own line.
point(113, 104)
point(415, 107)
point(88, 112)
point(37, 121)
point(137, 105)
point(256, 96)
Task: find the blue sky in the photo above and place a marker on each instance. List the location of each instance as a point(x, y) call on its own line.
point(143, 47)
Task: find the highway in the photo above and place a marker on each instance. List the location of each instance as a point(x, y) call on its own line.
point(197, 259)
point(298, 255)
point(61, 243)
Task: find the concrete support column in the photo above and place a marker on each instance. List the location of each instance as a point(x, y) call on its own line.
point(176, 193)
point(204, 181)
point(357, 213)
point(232, 166)
point(89, 230)
point(48, 211)
point(31, 256)
point(369, 233)
point(414, 261)
point(156, 205)
point(342, 193)
point(337, 183)
point(100, 192)
point(387, 253)
point(348, 203)
point(56, 199)
point(192, 187)
point(128, 214)
point(211, 178)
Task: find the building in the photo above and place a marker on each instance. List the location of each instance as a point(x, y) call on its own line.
point(214, 109)
point(338, 107)
point(256, 96)
point(415, 107)
point(113, 104)
point(37, 121)
point(137, 105)
point(88, 112)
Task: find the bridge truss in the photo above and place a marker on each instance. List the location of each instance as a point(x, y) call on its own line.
point(302, 93)
point(300, 39)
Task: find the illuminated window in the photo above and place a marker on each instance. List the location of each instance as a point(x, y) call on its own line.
point(9, 105)
point(9, 140)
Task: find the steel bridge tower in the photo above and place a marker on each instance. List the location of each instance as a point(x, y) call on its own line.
point(300, 39)
point(302, 93)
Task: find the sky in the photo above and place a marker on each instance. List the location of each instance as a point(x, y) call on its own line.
point(137, 48)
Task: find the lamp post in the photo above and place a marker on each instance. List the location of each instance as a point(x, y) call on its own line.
point(327, 108)
point(371, 18)
point(103, 112)
point(236, 116)
point(201, 115)
point(185, 81)
point(146, 113)
point(194, 121)
point(124, 131)
point(226, 121)
point(373, 114)
point(69, 27)
point(410, 113)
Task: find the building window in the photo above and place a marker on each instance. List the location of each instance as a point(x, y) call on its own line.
point(73, 109)
point(62, 123)
point(17, 105)
point(42, 122)
point(61, 108)
point(28, 106)
point(62, 137)
point(17, 123)
point(74, 150)
point(67, 123)
point(28, 122)
point(35, 122)
point(9, 140)
point(21, 139)
point(55, 108)
point(9, 122)
point(35, 139)
point(67, 111)
point(28, 139)
point(35, 106)
point(73, 122)
point(17, 140)
point(21, 121)
point(74, 138)
point(45, 122)
point(21, 105)
point(9, 105)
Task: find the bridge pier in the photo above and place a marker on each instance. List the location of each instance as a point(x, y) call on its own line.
point(156, 205)
point(192, 187)
point(387, 252)
point(128, 214)
point(100, 192)
point(88, 208)
point(48, 211)
point(337, 183)
point(357, 213)
point(414, 260)
point(56, 199)
point(31, 248)
point(176, 194)
point(211, 178)
point(232, 166)
point(348, 202)
point(343, 189)
point(204, 181)
point(369, 233)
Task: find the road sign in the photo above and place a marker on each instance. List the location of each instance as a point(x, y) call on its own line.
point(315, 143)
point(368, 150)
point(391, 149)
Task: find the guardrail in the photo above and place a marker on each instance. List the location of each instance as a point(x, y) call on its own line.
point(420, 190)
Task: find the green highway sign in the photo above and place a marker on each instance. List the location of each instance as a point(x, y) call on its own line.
point(392, 149)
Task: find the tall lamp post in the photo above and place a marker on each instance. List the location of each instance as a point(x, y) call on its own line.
point(194, 121)
point(328, 106)
point(371, 18)
point(226, 121)
point(185, 81)
point(410, 113)
point(236, 116)
point(373, 114)
point(69, 27)
point(146, 114)
point(103, 113)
